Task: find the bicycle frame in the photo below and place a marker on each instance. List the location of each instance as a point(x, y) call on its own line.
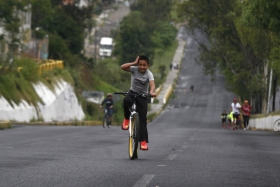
point(132, 112)
point(106, 118)
point(134, 126)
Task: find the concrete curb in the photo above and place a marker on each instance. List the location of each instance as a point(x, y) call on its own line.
point(5, 125)
point(63, 123)
point(167, 94)
point(4, 122)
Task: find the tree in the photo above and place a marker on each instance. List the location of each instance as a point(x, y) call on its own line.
point(153, 11)
point(69, 30)
point(224, 44)
point(133, 39)
point(80, 15)
point(10, 19)
point(264, 15)
point(164, 36)
point(42, 14)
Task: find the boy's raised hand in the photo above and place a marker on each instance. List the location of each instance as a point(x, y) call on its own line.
point(136, 61)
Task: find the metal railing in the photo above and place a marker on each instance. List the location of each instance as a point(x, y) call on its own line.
point(47, 66)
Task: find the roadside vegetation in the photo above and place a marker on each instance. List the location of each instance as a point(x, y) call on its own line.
point(238, 38)
point(66, 27)
point(241, 40)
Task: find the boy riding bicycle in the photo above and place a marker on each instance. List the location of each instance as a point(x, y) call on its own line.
point(141, 80)
point(108, 105)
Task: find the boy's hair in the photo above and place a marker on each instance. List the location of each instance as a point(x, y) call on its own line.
point(143, 57)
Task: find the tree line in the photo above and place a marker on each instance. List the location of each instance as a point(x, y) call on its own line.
point(238, 38)
point(241, 40)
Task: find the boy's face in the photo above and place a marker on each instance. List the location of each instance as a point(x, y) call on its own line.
point(143, 66)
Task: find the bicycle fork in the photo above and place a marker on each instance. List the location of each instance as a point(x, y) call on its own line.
point(131, 118)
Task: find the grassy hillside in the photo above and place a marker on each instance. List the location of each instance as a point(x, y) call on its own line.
point(105, 76)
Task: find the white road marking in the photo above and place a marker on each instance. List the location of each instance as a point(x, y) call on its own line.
point(161, 165)
point(9, 147)
point(184, 146)
point(171, 157)
point(144, 181)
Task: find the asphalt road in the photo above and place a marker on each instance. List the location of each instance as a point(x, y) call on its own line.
point(187, 146)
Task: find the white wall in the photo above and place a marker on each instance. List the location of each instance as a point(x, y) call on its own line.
point(266, 123)
point(59, 105)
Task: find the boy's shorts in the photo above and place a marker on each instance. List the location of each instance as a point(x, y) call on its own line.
point(223, 120)
point(236, 116)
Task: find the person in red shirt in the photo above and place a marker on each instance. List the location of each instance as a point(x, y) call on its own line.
point(246, 110)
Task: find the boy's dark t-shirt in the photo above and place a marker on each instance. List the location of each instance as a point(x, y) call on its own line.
point(224, 115)
point(108, 102)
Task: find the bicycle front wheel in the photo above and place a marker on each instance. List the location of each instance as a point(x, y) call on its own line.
point(105, 121)
point(134, 137)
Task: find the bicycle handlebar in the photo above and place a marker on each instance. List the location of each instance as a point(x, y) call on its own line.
point(123, 93)
point(135, 95)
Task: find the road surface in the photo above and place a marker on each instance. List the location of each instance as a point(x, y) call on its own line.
point(187, 146)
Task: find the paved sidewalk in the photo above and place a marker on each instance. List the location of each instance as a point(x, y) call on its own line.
point(167, 86)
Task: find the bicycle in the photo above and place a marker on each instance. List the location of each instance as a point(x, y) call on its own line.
point(134, 126)
point(106, 119)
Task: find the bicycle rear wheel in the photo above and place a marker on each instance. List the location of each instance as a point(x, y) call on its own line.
point(134, 137)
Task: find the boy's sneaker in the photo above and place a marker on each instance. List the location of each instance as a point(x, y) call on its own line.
point(144, 146)
point(125, 124)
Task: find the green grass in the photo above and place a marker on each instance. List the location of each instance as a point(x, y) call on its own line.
point(174, 14)
point(151, 116)
point(254, 116)
point(163, 60)
point(16, 86)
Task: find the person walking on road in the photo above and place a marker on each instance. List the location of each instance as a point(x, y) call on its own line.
point(230, 118)
point(246, 110)
point(109, 102)
point(170, 66)
point(224, 119)
point(236, 112)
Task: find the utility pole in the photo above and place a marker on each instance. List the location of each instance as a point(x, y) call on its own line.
point(274, 92)
point(269, 91)
point(95, 45)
